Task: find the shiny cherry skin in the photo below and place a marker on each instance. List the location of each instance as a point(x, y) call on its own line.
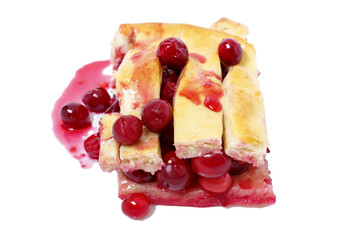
point(168, 75)
point(140, 176)
point(168, 92)
point(211, 165)
point(230, 51)
point(75, 115)
point(136, 206)
point(97, 100)
point(156, 115)
point(217, 185)
point(92, 146)
point(238, 167)
point(127, 129)
point(173, 53)
point(176, 174)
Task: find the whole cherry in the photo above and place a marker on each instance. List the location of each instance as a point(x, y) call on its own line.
point(136, 206)
point(230, 51)
point(176, 174)
point(75, 115)
point(173, 53)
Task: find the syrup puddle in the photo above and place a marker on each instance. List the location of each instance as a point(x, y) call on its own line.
point(90, 76)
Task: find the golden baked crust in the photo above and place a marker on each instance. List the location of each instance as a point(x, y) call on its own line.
point(228, 26)
point(139, 81)
point(245, 135)
point(198, 130)
point(109, 158)
point(199, 37)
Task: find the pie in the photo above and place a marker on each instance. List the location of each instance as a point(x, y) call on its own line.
point(202, 133)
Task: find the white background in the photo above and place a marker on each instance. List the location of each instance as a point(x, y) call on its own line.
point(308, 54)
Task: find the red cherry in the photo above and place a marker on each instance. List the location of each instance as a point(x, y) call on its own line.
point(156, 114)
point(168, 75)
point(230, 51)
point(97, 100)
point(238, 167)
point(140, 176)
point(92, 145)
point(136, 206)
point(75, 115)
point(176, 174)
point(168, 92)
point(211, 165)
point(127, 129)
point(172, 52)
point(216, 185)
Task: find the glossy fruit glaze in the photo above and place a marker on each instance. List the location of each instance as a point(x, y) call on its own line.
point(204, 86)
point(199, 57)
point(86, 78)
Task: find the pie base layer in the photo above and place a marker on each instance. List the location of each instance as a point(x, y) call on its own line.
point(251, 188)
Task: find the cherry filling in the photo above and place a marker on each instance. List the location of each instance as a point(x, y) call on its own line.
point(167, 135)
point(238, 167)
point(140, 176)
point(176, 174)
point(230, 51)
point(224, 71)
point(216, 185)
point(168, 75)
point(211, 165)
point(136, 206)
point(172, 52)
point(168, 92)
point(115, 107)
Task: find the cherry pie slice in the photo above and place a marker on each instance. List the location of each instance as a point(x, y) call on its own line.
point(186, 125)
point(207, 110)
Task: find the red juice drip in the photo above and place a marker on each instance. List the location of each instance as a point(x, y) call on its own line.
point(88, 77)
point(200, 58)
point(212, 97)
point(206, 87)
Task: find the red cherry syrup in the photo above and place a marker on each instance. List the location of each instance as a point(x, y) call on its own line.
point(86, 78)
